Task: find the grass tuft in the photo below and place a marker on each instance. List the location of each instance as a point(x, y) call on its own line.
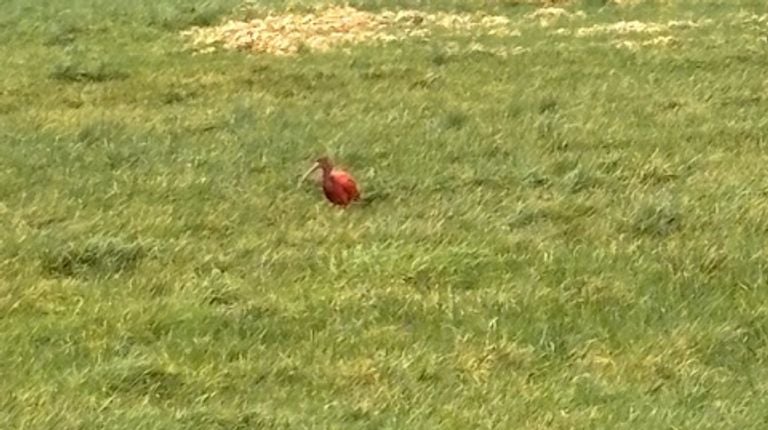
point(143, 380)
point(455, 120)
point(62, 35)
point(657, 219)
point(97, 257)
point(79, 71)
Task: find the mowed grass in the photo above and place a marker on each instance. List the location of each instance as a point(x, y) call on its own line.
point(565, 233)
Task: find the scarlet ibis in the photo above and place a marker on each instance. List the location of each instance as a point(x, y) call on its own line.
point(339, 186)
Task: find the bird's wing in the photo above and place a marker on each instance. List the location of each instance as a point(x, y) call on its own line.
point(347, 183)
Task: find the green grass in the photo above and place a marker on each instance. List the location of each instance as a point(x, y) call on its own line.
point(567, 234)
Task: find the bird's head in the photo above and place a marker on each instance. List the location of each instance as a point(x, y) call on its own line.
point(323, 163)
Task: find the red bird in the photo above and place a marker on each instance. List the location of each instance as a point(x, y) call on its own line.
point(339, 186)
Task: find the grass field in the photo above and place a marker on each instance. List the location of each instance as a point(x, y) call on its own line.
point(570, 228)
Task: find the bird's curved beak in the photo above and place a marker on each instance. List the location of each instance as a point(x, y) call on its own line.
point(309, 172)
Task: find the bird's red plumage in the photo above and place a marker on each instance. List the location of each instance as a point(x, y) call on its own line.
point(339, 187)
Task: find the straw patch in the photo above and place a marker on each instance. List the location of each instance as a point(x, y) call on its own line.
point(547, 16)
point(637, 34)
point(660, 41)
point(335, 26)
point(636, 27)
point(636, 2)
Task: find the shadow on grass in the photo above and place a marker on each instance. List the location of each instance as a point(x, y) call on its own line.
point(142, 380)
point(86, 71)
point(180, 17)
point(97, 257)
point(656, 220)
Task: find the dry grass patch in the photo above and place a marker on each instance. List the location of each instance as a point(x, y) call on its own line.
point(547, 16)
point(326, 28)
point(546, 3)
point(637, 34)
point(636, 27)
point(660, 41)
